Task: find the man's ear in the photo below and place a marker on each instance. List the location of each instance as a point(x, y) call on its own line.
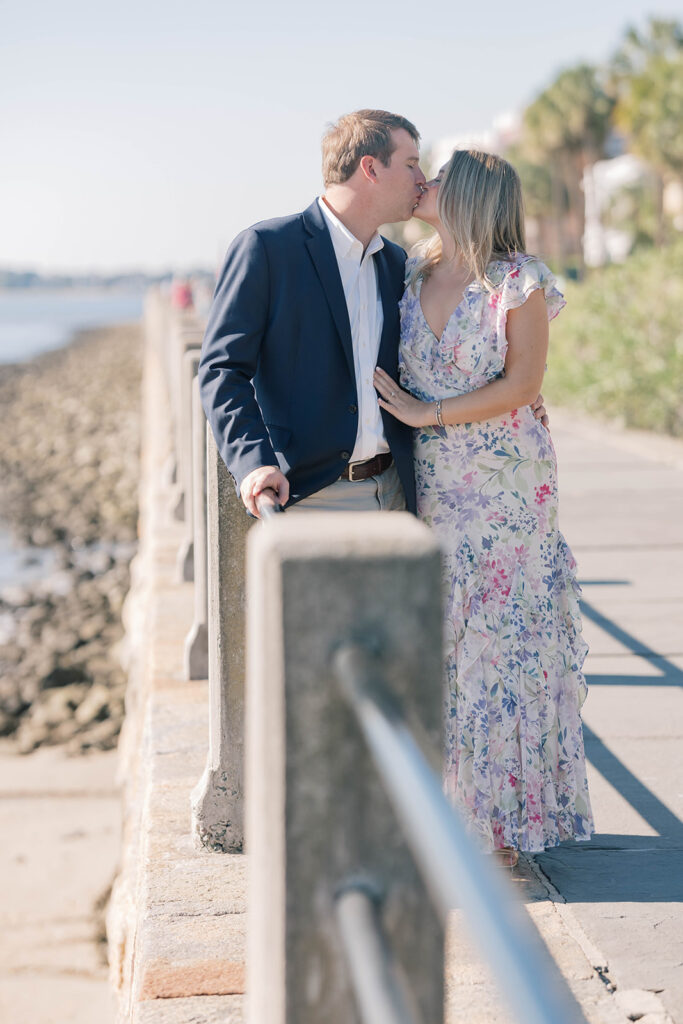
point(367, 166)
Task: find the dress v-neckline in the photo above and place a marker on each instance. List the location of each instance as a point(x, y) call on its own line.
point(426, 321)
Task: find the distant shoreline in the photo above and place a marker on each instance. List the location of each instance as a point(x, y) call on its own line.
point(40, 320)
point(23, 281)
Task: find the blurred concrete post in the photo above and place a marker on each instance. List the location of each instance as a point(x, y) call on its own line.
point(317, 816)
point(189, 369)
point(185, 334)
point(156, 320)
point(196, 642)
point(217, 800)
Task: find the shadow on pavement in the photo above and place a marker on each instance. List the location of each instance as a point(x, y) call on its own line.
point(649, 869)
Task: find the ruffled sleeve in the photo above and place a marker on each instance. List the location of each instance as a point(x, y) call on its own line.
point(411, 263)
point(526, 277)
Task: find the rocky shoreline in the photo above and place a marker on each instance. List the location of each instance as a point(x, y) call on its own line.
point(69, 448)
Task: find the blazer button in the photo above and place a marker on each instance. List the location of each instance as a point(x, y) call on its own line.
point(353, 409)
point(346, 456)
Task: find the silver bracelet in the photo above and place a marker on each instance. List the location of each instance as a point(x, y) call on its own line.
point(439, 417)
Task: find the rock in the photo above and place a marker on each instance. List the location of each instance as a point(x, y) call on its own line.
point(69, 470)
point(101, 736)
point(8, 627)
point(10, 653)
point(29, 737)
point(97, 562)
point(95, 705)
point(8, 723)
point(60, 582)
point(29, 689)
point(63, 731)
point(55, 706)
point(41, 536)
point(16, 597)
point(63, 677)
point(92, 627)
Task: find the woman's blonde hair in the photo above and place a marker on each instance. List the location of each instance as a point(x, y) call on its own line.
point(480, 204)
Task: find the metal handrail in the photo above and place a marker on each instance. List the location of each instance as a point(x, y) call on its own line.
point(454, 871)
point(381, 990)
point(267, 504)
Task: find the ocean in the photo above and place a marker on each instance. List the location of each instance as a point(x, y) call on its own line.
point(34, 320)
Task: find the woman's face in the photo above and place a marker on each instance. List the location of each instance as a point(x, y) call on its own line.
point(426, 208)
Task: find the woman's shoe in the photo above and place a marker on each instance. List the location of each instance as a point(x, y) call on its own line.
point(507, 856)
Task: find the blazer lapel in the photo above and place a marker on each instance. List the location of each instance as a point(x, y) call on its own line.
point(388, 344)
point(321, 250)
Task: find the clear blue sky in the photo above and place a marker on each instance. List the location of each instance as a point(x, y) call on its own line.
point(146, 134)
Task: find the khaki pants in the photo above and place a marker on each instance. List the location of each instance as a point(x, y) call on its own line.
point(383, 493)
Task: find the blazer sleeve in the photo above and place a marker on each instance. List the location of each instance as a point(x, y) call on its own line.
point(230, 356)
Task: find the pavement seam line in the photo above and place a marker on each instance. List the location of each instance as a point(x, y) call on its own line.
point(595, 957)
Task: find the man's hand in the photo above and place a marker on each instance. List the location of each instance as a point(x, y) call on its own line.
point(260, 480)
point(539, 411)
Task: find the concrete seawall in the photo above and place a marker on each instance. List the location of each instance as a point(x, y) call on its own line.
point(176, 920)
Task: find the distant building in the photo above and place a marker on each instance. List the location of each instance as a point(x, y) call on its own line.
point(602, 181)
point(504, 132)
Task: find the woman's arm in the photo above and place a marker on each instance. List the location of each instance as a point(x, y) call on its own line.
point(527, 336)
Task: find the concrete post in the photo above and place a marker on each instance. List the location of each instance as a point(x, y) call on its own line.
point(185, 334)
point(196, 642)
point(217, 800)
point(316, 813)
point(189, 368)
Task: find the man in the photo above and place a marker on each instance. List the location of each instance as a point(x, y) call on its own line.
point(306, 306)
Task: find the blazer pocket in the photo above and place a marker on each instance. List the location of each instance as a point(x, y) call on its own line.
point(279, 436)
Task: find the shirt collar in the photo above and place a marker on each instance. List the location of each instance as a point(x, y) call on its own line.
point(346, 245)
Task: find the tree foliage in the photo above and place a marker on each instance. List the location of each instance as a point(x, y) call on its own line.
point(650, 112)
point(617, 348)
point(638, 98)
point(571, 116)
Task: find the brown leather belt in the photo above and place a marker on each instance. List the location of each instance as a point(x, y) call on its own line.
point(371, 467)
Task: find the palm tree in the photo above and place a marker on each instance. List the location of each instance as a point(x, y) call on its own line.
point(662, 38)
point(647, 73)
point(538, 202)
point(566, 128)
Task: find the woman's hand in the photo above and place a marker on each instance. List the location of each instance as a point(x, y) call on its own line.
point(400, 404)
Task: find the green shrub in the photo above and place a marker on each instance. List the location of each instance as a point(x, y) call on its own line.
point(617, 348)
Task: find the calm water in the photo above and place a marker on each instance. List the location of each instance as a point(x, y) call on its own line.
point(34, 321)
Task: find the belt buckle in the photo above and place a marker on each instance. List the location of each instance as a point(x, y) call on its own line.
point(352, 466)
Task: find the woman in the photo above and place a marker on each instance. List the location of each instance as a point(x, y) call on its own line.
point(474, 337)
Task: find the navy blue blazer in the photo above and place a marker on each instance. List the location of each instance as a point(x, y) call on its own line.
point(276, 374)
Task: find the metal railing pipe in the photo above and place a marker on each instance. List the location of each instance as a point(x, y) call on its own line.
point(380, 991)
point(454, 871)
point(267, 504)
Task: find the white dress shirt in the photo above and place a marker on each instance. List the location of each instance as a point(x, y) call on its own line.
point(366, 316)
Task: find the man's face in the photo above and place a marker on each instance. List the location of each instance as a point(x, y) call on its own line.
point(401, 182)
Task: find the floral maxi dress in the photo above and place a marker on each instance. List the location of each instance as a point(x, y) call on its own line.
point(513, 648)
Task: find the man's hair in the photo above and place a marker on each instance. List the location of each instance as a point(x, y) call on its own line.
point(362, 133)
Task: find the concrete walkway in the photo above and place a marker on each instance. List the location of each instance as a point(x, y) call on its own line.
point(622, 513)
point(60, 827)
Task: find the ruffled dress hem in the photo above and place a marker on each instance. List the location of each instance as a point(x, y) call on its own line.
point(515, 700)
